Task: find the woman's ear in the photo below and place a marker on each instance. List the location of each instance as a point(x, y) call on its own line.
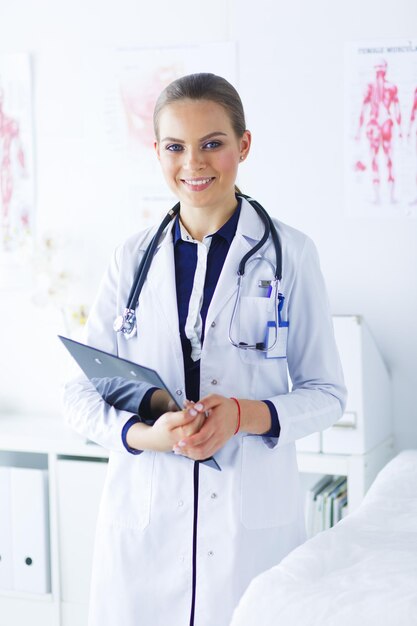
point(245, 143)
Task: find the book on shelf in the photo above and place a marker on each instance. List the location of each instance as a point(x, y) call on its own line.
point(326, 502)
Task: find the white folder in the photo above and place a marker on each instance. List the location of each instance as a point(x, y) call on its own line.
point(6, 558)
point(30, 530)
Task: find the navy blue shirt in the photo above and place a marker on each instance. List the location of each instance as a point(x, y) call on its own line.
point(185, 254)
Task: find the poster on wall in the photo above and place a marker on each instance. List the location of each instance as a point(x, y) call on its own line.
point(122, 91)
point(17, 197)
point(381, 129)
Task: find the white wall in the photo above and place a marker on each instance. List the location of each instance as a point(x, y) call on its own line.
point(77, 201)
point(291, 81)
point(370, 265)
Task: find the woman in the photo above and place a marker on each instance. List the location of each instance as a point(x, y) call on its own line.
point(178, 541)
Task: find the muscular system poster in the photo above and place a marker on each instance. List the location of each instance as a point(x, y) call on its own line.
point(16, 152)
point(381, 129)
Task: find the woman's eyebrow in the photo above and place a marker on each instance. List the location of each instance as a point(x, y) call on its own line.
point(217, 133)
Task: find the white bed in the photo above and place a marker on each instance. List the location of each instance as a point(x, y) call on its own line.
point(361, 572)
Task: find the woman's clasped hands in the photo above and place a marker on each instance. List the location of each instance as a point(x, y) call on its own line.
point(198, 431)
point(214, 423)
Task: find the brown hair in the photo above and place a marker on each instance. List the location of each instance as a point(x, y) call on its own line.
point(203, 87)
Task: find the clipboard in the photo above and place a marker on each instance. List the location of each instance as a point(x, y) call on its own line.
point(110, 373)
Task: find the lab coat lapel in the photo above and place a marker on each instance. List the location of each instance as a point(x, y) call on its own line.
point(161, 281)
point(249, 231)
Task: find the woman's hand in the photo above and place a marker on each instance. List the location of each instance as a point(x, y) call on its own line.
point(169, 429)
point(194, 426)
point(165, 433)
point(217, 428)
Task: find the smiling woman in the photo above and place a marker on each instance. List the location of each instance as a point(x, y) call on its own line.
point(178, 541)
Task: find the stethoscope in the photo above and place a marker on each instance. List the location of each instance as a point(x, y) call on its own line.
point(126, 323)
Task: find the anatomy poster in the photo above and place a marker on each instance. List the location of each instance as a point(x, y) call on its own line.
point(381, 129)
point(123, 89)
point(16, 151)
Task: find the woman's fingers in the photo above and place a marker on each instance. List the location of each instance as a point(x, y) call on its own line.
point(178, 418)
point(207, 403)
point(217, 429)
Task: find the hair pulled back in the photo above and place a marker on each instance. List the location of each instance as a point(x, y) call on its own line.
point(203, 86)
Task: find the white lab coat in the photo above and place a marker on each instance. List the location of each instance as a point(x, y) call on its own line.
point(250, 514)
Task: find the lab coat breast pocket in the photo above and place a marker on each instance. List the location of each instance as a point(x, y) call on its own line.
point(254, 314)
point(270, 484)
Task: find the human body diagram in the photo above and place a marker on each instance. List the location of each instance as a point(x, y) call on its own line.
point(380, 113)
point(412, 134)
point(387, 129)
point(12, 162)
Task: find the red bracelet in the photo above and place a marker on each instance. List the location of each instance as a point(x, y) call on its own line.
point(238, 415)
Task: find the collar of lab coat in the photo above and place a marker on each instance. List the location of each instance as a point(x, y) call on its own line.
point(161, 275)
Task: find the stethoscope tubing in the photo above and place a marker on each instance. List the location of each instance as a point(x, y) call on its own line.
point(269, 230)
point(146, 261)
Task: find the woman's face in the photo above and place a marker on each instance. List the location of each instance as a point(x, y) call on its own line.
point(199, 153)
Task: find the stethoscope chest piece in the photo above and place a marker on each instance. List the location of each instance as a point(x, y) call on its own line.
point(126, 323)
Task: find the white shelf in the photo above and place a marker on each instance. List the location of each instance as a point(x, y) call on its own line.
point(27, 597)
point(20, 433)
point(22, 437)
point(360, 469)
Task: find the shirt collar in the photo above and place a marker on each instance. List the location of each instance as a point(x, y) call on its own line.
point(227, 231)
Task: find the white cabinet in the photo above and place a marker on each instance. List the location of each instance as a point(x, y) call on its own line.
point(367, 420)
point(361, 443)
point(76, 472)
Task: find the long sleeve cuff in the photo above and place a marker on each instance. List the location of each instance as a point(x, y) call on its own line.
point(275, 426)
point(144, 409)
point(133, 420)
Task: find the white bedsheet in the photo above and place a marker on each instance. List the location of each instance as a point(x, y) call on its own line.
point(361, 572)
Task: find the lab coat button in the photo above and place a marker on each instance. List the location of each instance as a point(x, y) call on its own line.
point(213, 324)
point(178, 392)
point(181, 503)
point(211, 553)
point(214, 496)
point(214, 381)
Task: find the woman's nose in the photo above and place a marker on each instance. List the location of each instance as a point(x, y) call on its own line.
point(194, 159)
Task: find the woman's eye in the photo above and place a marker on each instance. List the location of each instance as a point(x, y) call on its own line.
point(212, 144)
point(174, 147)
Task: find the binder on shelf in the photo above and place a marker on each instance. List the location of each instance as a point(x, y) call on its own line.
point(340, 506)
point(30, 530)
point(337, 485)
point(6, 557)
point(311, 505)
point(325, 503)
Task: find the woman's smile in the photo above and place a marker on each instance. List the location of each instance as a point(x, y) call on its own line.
point(197, 184)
